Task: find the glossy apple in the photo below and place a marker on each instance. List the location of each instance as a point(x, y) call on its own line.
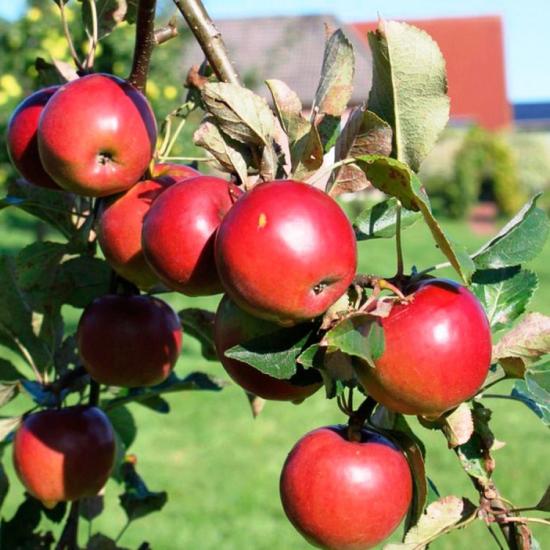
point(179, 231)
point(234, 326)
point(129, 340)
point(286, 251)
point(121, 220)
point(64, 454)
point(437, 351)
point(97, 135)
point(345, 495)
point(22, 138)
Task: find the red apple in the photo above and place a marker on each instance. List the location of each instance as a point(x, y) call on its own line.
point(64, 454)
point(179, 231)
point(234, 326)
point(97, 135)
point(129, 340)
point(22, 138)
point(437, 351)
point(121, 220)
point(286, 251)
point(345, 495)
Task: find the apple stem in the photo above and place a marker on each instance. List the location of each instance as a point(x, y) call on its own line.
point(209, 39)
point(93, 39)
point(69, 536)
point(144, 44)
point(398, 244)
point(358, 418)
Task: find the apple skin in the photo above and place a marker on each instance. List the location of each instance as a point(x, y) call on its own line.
point(22, 138)
point(345, 495)
point(437, 351)
point(179, 231)
point(64, 454)
point(97, 135)
point(129, 341)
point(121, 221)
point(286, 252)
point(234, 326)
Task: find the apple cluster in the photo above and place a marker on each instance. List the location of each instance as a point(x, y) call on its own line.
point(282, 253)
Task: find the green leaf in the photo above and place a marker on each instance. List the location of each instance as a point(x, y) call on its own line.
point(91, 507)
point(98, 541)
point(192, 382)
point(8, 425)
point(156, 403)
point(504, 293)
point(55, 73)
point(458, 426)
point(199, 323)
point(472, 459)
point(538, 402)
point(380, 221)
point(231, 155)
point(8, 372)
point(520, 240)
point(306, 148)
point(16, 319)
point(4, 485)
point(18, 532)
point(524, 345)
point(275, 353)
point(8, 392)
point(137, 500)
point(364, 134)
point(360, 335)
point(409, 88)
point(124, 425)
point(53, 207)
point(544, 503)
point(109, 14)
point(239, 113)
point(396, 179)
point(336, 83)
point(538, 378)
point(440, 517)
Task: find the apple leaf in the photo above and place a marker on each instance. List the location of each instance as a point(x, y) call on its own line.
point(336, 83)
point(137, 500)
point(409, 88)
point(16, 319)
point(109, 14)
point(53, 207)
point(275, 353)
point(155, 403)
point(8, 425)
point(520, 240)
point(544, 503)
point(534, 397)
point(19, 531)
point(524, 345)
point(124, 425)
point(364, 134)
point(380, 221)
point(91, 507)
point(199, 323)
point(306, 149)
point(98, 541)
point(194, 381)
point(359, 335)
point(396, 179)
point(504, 293)
point(4, 484)
point(239, 113)
point(458, 426)
point(231, 155)
point(8, 371)
point(54, 73)
point(8, 392)
point(440, 517)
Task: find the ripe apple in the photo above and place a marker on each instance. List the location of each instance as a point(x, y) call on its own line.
point(179, 231)
point(437, 351)
point(285, 252)
point(22, 138)
point(129, 340)
point(64, 454)
point(97, 135)
point(121, 220)
point(234, 326)
point(345, 495)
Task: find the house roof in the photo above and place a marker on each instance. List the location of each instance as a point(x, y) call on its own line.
point(473, 50)
point(289, 49)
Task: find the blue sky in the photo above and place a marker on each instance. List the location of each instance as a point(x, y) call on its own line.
point(526, 27)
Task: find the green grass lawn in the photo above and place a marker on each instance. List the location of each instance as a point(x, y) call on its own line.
point(221, 468)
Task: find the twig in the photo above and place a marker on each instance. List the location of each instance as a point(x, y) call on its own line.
point(163, 34)
point(94, 393)
point(525, 519)
point(209, 39)
point(93, 39)
point(494, 535)
point(68, 37)
point(144, 44)
point(69, 536)
point(398, 244)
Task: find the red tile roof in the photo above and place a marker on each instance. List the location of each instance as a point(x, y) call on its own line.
point(473, 49)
